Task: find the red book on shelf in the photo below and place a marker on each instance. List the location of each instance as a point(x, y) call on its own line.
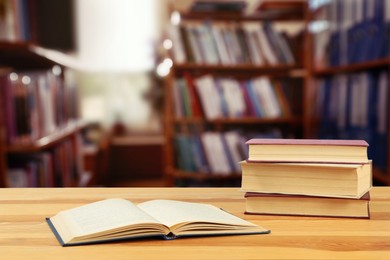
point(194, 98)
point(308, 150)
point(250, 111)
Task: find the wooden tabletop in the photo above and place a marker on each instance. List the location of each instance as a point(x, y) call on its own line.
point(24, 233)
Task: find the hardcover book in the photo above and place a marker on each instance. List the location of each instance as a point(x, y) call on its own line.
point(118, 219)
point(308, 150)
point(278, 204)
point(326, 180)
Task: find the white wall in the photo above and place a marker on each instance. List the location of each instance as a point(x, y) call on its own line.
point(116, 35)
point(116, 43)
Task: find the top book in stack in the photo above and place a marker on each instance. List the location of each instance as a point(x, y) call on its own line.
point(308, 151)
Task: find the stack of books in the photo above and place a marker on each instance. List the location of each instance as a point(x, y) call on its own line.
point(307, 177)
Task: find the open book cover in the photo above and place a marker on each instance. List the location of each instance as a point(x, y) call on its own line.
point(119, 219)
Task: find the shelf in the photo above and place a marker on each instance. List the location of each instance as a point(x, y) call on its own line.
point(47, 141)
point(247, 120)
point(275, 15)
point(136, 140)
point(287, 70)
point(21, 56)
point(177, 174)
point(376, 64)
point(291, 5)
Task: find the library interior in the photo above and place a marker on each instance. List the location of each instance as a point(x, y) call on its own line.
point(194, 129)
point(168, 93)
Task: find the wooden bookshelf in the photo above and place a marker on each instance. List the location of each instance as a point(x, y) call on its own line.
point(49, 141)
point(178, 128)
point(283, 15)
point(356, 67)
point(20, 55)
point(201, 176)
point(371, 63)
point(61, 147)
point(239, 121)
point(242, 69)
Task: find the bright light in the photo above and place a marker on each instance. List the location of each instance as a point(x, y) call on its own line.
point(318, 26)
point(118, 35)
point(13, 76)
point(175, 18)
point(318, 3)
point(163, 69)
point(56, 70)
point(167, 44)
point(168, 62)
point(26, 80)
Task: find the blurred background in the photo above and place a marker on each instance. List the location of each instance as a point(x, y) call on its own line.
point(134, 69)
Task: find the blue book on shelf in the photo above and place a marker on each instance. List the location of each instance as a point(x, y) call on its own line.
point(199, 156)
point(374, 29)
point(356, 33)
point(385, 47)
point(185, 97)
point(378, 38)
point(351, 38)
point(184, 153)
point(334, 48)
point(354, 44)
point(228, 154)
point(380, 151)
point(223, 101)
point(254, 99)
point(363, 32)
point(363, 113)
point(374, 12)
point(328, 123)
point(380, 29)
point(362, 41)
point(343, 105)
point(380, 137)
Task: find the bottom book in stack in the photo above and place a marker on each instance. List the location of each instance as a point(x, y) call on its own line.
point(307, 189)
point(283, 204)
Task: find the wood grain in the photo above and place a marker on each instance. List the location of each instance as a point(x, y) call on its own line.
point(25, 235)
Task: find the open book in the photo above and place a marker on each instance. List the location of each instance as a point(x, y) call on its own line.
point(115, 219)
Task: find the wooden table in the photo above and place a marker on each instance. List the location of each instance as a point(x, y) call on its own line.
point(24, 233)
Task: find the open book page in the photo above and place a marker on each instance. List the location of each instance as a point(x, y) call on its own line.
point(175, 213)
point(99, 217)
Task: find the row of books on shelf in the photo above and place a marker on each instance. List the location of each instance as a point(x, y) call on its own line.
point(307, 177)
point(214, 152)
point(216, 98)
point(15, 21)
point(355, 106)
point(36, 104)
point(232, 43)
point(347, 32)
point(56, 167)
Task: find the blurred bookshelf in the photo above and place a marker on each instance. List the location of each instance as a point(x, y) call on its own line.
point(41, 144)
point(234, 77)
point(349, 68)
